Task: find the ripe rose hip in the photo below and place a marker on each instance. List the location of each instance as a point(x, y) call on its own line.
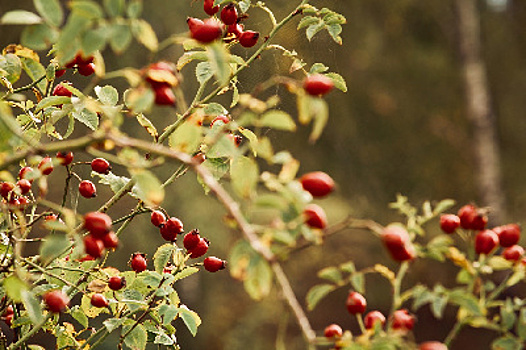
point(398, 243)
point(209, 7)
point(99, 300)
point(60, 90)
point(24, 186)
point(513, 253)
point(87, 189)
point(171, 228)
point(116, 282)
point(93, 246)
point(229, 14)
point(373, 318)
point(317, 183)
point(56, 301)
point(164, 96)
point(46, 166)
point(403, 320)
point(471, 218)
point(97, 223)
point(138, 262)
point(6, 188)
point(333, 331)
point(356, 303)
point(65, 158)
point(509, 235)
point(101, 166)
point(110, 240)
point(26, 173)
point(235, 29)
point(318, 84)
point(248, 38)
point(157, 218)
point(213, 264)
point(86, 69)
point(59, 73)
point(449, 222)
point(486, 241)
point(191, 239)
point(200, 249)
point(206, 31)
point(432, 345)
point(315, 216)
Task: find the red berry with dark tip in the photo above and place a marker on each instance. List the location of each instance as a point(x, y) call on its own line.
point(101, 166)
point(449, 223)
point(97, 223)
point(372, 318)
point(509, 235)
point(116, 283)
point(315, 216)
point(56, 301)
point(157, 218)
point(229, 14)
point(99, 300)
point(24, 186)
point(110, 240)
point(138, 262)
point(472, 218)
point(191, 239)
point(356, 303)
point(60, 90)
point(6, 188)
point(235, 29)
point(213, 264)
point(248, 38)
point(486, 241)
point(86, 69)
point(209, 30)
point(209, 7)
point(171, 228)
point(93, 246)
point(87, 189)
point(432, 345)
point(333, 331)
point(318, 84)
point(65, 158)
point(200, 249)
point(46, 166)
point(513, 253)
point(317, 183)
point(164, 96)
point(403, 320)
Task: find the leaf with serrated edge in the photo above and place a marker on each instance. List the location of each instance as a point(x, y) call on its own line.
point(190, 318)
point(162, 256)
point(317, 293)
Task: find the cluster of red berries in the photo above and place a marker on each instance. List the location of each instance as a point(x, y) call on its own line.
point(84, 66)
point(319, 185)
point(87, 189)
point(472, 218)
point(8, 314)
point(162, 78)
point(229, 28)
point(100, 235)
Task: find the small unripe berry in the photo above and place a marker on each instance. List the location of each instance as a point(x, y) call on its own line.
point(99, 300)
point(356, 303)
point(46, 166)
point(333, 331)
point(373, 318)
point(318, 84)
point(248, 38)
point(486, 241)
point(116, 282)
point(432, 345)
point(317, 183)
point(157, 218)
point(513, 253)
point(315, 216)
point(449, 223)
point(101, 166)
point(65, 158)
point(191, 239)
point(56, 301)
point(213, 264)
point(97, 223)
point(138, 262)
point(200, 249)
point(229, 14)
point(87, 189)
point(93, 246)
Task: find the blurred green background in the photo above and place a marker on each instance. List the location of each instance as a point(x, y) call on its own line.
point(401, 128)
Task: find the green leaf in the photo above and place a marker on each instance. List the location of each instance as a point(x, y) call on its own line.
point(50, 10)
point(79, 316)
point(314, 29)
point(507, 315)
point(190, 318)
point(35, 71)
point(214, 109)
point(148, 187)
point(189, 56)
point(334, 31)
point(186, 138)
point(86, 117)
point(331, 273)
point(32, 306)
point(114, 8)
point(162, 256)
point(358, 282)
point(203, 72)
point(507, 343)
point(499, 263)
point(338, 81)
point(120, 38)
point(112, 324)
point(14, 288)
point(258, 281)
point(134, 9)
point(115, 182)
point(467, 301)
point(53, 246)
point(148, 125)
point(39, 36)
point(244, 5)
point(20, 17)
point(137, 338)
point(317, 293)
point(94, 40)
point(244, 173)
point(277, 120)
point(52, 101)
point(318, 68)
point(11, 64)
point(521, 324)
point(139, 100)
point(168, 313)
point(218, 57)
point(443, 205)
point(163, 339)
point(107, 95)
point(438, 305)
point(308, 21)
point(145, 34)
point(87, 8)
point(319, 110)
point(186, 272)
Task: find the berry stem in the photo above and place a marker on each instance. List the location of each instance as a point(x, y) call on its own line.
point(360, 323)
point(397, 283)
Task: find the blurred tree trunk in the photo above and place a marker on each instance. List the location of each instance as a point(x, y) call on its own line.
point(479, 110)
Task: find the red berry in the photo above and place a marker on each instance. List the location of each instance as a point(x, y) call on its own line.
point(81, 61)
point(110, 240)
point(200, 249)
point(97, 223)
point(46, 166)
point(59, 73)
point(205, 32)
point(315, 216)
point(138, 262)
point(116, 282)
point(213, 264)
point(6, 188)
point(403, 320)
point(235, 29)
point(471, 218)
point(209, 7)
point(171, 228)
point(99, 300)
point(87, 189)
point(398, 243)
point(248, 38)
point(317, 183)
point(56, 301)
point(229, 14)
point(86, 69)
point(221, 120)
point(93, 246)
point(60, 90)
point(9, 310)
point(432, 345)
point(333, 331)
point(373, 318)
point(513, 253)
point(26, 173)
point(191, 239)
point(509, 235)
point(199, 158)
point(101, 166)
point(164, 96)
point(318, 84)
point(65, 158)
point(23, 202)
point(356, 303)
point(449, 222)
point(24, 185)
point(157, 218)
point(486, 241)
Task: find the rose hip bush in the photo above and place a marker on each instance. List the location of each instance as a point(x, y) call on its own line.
point(49, 123)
